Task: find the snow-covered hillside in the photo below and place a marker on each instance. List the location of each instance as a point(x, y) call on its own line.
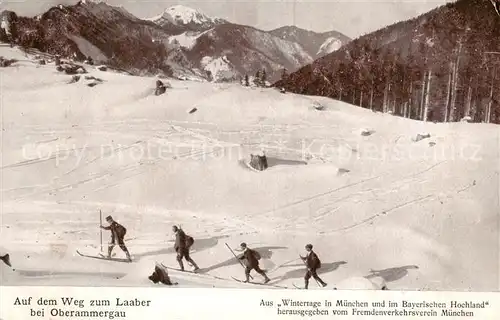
point(330, 45)
point(185, 40)
point(376, 204)
point(220, 69)
point(246, 50)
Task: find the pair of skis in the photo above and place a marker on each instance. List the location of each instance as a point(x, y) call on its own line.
point(102, 257)
point(235, 279)
point(256, 283)
point(297, 287)
point(260, 283)
point(220, 278)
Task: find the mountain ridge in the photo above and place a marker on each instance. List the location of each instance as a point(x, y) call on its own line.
point(183, 46)
point(311, 41)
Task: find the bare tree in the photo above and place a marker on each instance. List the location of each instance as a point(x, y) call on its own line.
point(371, 94)
point(427, 96)
point(490, 103)
point(455, 83)
point(468, 103)
point(449, 92)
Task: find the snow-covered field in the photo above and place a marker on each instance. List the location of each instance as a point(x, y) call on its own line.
point(418, 215)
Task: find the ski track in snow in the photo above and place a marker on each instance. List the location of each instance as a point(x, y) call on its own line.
point(360, 213)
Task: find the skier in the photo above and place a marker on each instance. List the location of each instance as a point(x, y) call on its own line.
point(117, 234)
point(182, 245)
point(251, 258)
point(313, 263)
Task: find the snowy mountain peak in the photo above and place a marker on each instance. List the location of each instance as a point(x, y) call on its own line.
point(186, 15)
point(183, 16)
point(91, 1)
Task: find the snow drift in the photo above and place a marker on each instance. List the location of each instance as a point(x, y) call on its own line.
point(417, 217)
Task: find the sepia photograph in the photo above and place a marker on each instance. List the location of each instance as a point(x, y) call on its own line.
point(305, 145)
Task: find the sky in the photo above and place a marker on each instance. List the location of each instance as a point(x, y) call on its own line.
point(353, 18)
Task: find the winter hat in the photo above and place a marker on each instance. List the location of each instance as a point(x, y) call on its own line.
point(309, 246)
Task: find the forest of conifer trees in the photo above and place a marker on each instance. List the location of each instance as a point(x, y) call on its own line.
point(443, 66)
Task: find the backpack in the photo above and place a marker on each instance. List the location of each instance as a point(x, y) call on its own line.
point(318, 262)
point(256, 255)
point(121, 230)
point(189, 241)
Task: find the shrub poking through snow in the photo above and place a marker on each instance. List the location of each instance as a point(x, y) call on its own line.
point(6, 259)
point(367, 132)
point(161, 88)
point(318, 106)
point(420, 137)
point(74, 79)
point(258, 162)
point(6, 62)
point(71, 69)
point(93, 78)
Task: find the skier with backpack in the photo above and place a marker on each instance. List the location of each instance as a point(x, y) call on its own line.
point(313, 263)
point(117, 234)
point(251, 258)
point(182, 245)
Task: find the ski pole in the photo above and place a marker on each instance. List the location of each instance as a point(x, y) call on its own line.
point(236, 257)
point(100, 218)
point(317, 282)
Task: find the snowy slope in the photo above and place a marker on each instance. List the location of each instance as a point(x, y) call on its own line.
point(220, 68)
point(377, 206)
point(185, 40)
point(330, 45)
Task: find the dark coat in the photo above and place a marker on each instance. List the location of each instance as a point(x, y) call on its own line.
point(180, 241)
point(117, 231)
point(312, 261)
point(250, 258)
